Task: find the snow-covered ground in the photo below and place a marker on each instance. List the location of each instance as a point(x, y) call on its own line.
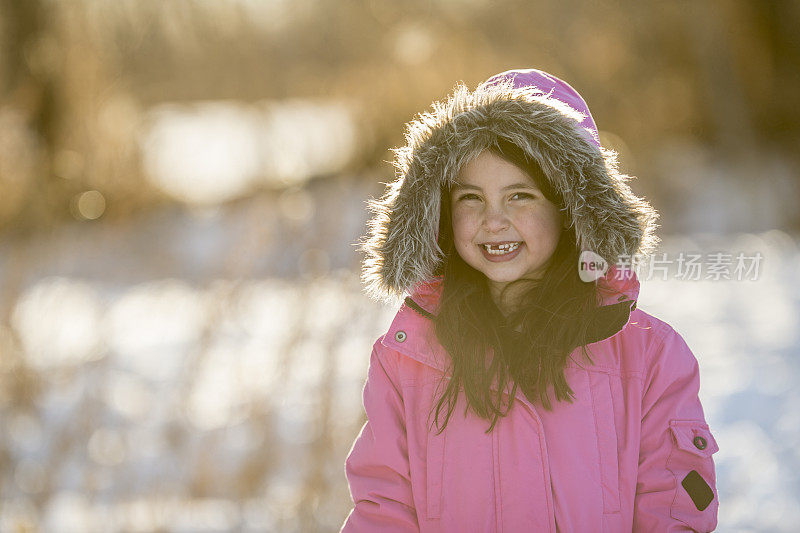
point(203, 372)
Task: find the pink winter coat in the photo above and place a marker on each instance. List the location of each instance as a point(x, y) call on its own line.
point(633, 452)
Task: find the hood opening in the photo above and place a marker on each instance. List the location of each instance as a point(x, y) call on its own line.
point(534, 112)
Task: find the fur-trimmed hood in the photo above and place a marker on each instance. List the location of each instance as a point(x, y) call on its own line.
point(550, 121)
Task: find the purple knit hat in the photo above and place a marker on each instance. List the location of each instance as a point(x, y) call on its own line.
point(554, 88)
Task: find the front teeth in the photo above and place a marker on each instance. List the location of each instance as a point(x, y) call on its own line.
point(503, 249)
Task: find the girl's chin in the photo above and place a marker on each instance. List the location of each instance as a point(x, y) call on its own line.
point(500, 278)
point(508, 277)
point(503, 282)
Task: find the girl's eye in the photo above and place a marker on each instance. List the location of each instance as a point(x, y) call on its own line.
point(468, 196)
point(522, 195)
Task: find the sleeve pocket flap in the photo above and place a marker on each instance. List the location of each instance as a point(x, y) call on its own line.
point(694, 436)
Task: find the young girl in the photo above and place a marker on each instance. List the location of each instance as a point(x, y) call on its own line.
point(519, 388)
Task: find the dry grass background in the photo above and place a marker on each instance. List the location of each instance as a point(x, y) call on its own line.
point(183, 339)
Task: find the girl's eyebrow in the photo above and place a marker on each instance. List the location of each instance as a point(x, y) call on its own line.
point(462, 186)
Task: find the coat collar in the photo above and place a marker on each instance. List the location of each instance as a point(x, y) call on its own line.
point(411, 332)
point(617, 285)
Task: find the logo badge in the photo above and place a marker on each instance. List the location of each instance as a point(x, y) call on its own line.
point(591, 266)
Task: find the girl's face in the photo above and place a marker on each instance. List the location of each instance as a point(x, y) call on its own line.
point(503, 225)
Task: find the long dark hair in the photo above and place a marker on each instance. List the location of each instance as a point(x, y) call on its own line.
point(531, 344)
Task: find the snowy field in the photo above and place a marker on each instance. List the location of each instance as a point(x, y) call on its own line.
point(190, 373)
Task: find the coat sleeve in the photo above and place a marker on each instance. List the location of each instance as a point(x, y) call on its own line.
point(377, 466)
point(676, 482)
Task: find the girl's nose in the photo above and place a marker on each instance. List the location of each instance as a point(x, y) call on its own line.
point(495, 220)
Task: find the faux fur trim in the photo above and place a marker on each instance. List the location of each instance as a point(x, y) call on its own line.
point(401, 248)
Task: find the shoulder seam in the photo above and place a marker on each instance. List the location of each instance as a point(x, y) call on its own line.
point(379, 350)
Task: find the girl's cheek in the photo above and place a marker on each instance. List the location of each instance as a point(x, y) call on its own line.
point(462, 220)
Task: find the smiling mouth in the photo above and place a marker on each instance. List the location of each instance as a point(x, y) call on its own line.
point(501, 249)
